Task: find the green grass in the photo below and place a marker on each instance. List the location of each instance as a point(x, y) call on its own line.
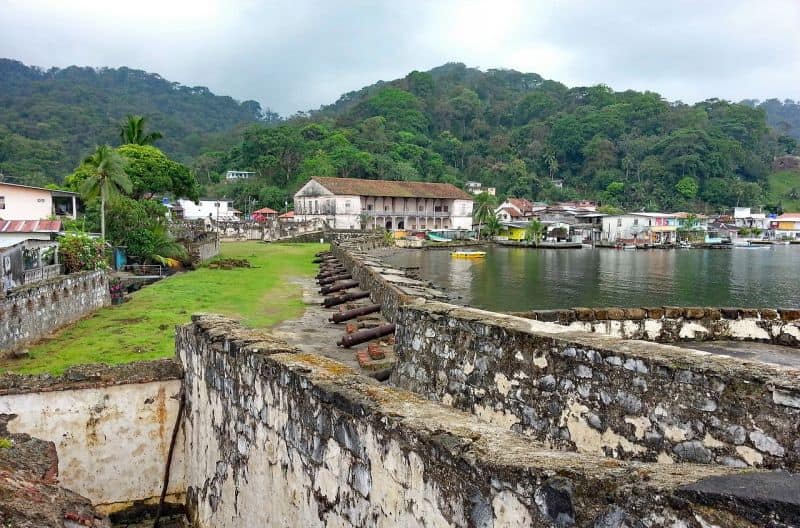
point(780, 184)
point(143, 327)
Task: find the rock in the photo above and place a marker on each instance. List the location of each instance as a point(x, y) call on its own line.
point(769, 314)
point(616, 518)
point(693, 451)
point(788, 314)
point(582, 371)
point(766, 444)
point(673, 312)
point(729, 313)
point(635, 314)
point(695, 313)
point(547, 383)
point(748, 313)
point(584, 314)
point(554, 500)
point(615, 314)
point(655, 312)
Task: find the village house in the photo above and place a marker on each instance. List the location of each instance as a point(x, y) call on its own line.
point(786, 225)
point(286, 217)
point(645, 228)
point(238, 175)
point(350, 203)
point(264, 214)
point(23, 202)
point(474, 187)
point(517, 209)
point(744, 217)
point(216, 209)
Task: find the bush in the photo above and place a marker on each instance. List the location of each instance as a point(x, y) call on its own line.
point(80, 252)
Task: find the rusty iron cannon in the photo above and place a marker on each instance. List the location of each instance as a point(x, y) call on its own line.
point(341, 299)
point(324, 281)
point(346, 285)
point(355, 312)
point(362, 336)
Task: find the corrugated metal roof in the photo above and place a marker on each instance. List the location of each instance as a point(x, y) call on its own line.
point(54, 191)
point(395, 189)
point(30, 226)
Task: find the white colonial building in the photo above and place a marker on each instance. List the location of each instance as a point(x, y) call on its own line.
point(239, 175)
point(221, 210)
point(349, 203)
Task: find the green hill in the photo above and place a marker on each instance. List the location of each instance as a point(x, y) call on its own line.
point(522, 134)
point(50, 119)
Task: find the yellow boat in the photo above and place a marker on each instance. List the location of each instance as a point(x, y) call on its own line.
point(468, 254)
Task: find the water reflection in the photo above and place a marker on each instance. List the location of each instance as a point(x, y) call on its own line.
point(523, 279)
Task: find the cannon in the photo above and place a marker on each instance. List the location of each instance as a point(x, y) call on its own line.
point(341, 299)
point(361, 336)
point(333, 270)
point(355, 312)
point(324, 281)
point(339, 287)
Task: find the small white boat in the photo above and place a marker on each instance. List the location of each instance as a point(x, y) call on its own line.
point(629, 246)
point(685, 245)
point(740, 242)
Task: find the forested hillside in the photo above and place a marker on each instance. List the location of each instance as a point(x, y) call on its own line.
point(520, 133)
point(51, 119)
point(784, 116)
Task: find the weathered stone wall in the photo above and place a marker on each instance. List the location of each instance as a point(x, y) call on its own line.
point(275, 438)
point(669, 324)
point(597, 394)
point(204, 250)
point(268, 231)
point(31, 312)
point(111, 427)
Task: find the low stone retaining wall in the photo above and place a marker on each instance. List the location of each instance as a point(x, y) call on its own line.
point(275, 438)
point(204, 250)
point(111, 427)
point(598, 394)
point(669, 324)
point(32, 312)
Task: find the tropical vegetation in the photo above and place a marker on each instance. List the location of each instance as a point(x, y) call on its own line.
point(105, 180)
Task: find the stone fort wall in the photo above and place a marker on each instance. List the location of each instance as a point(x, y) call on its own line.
point(31, 312)
point(278, 438)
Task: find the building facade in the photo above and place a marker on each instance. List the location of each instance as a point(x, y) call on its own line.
point(786, 225)
point(645, 228)
point(22, 202)
point(239, 175)
point(209, 208)
point(350, 203)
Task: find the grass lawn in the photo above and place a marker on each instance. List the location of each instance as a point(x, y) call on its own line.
point(143, 327)
point(780, 184)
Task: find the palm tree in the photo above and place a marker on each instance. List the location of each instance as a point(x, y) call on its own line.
point(483, 209)
point(108, 180)
point(493, 226)
point(534, 231)
point(131, 131)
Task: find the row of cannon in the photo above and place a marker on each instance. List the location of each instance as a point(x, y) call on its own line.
point(335, 281)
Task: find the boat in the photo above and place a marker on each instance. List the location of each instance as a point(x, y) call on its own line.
point(741, 242)
point(629, 246)
point(437, 238)
point(685, 245)
point(468, 254)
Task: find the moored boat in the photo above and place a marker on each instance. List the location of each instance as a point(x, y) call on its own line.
point(468, 254)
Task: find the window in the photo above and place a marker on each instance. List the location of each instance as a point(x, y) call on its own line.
point(2, 202)
point(619, 222)
point(347, 204)
point(420, 208)
point(369, 207)
point(636, 221)
point(446, 208)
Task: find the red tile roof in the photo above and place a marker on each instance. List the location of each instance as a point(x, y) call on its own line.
point(265, 211)
point(513, 213)
point(396, 189)
point(525, 206)
point(290, 214)
point(788, 217)
point(30, 226)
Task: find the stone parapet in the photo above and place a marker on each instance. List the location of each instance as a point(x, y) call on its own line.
point(600, 394)
point(31, 312)
point(339, 449)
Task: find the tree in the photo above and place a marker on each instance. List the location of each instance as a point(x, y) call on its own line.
point(535, 231)
point(107, 180)
point(153, 173)
point(687, 187)
point(131, 131)
point(493, 226)
point(483, 209)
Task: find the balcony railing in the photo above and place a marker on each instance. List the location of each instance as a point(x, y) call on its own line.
point(411, 214)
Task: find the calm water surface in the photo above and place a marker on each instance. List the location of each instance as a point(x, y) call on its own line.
point(518, 279)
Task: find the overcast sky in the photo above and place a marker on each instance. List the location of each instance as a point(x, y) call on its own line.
point(295, 55)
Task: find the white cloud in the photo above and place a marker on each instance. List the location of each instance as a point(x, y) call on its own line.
point(298, 54)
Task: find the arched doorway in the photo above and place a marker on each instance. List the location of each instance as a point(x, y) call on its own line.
point(388, 225)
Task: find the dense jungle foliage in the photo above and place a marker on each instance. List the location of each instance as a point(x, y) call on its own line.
point(52, 119)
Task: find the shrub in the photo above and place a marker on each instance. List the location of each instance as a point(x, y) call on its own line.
point(80, 252)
